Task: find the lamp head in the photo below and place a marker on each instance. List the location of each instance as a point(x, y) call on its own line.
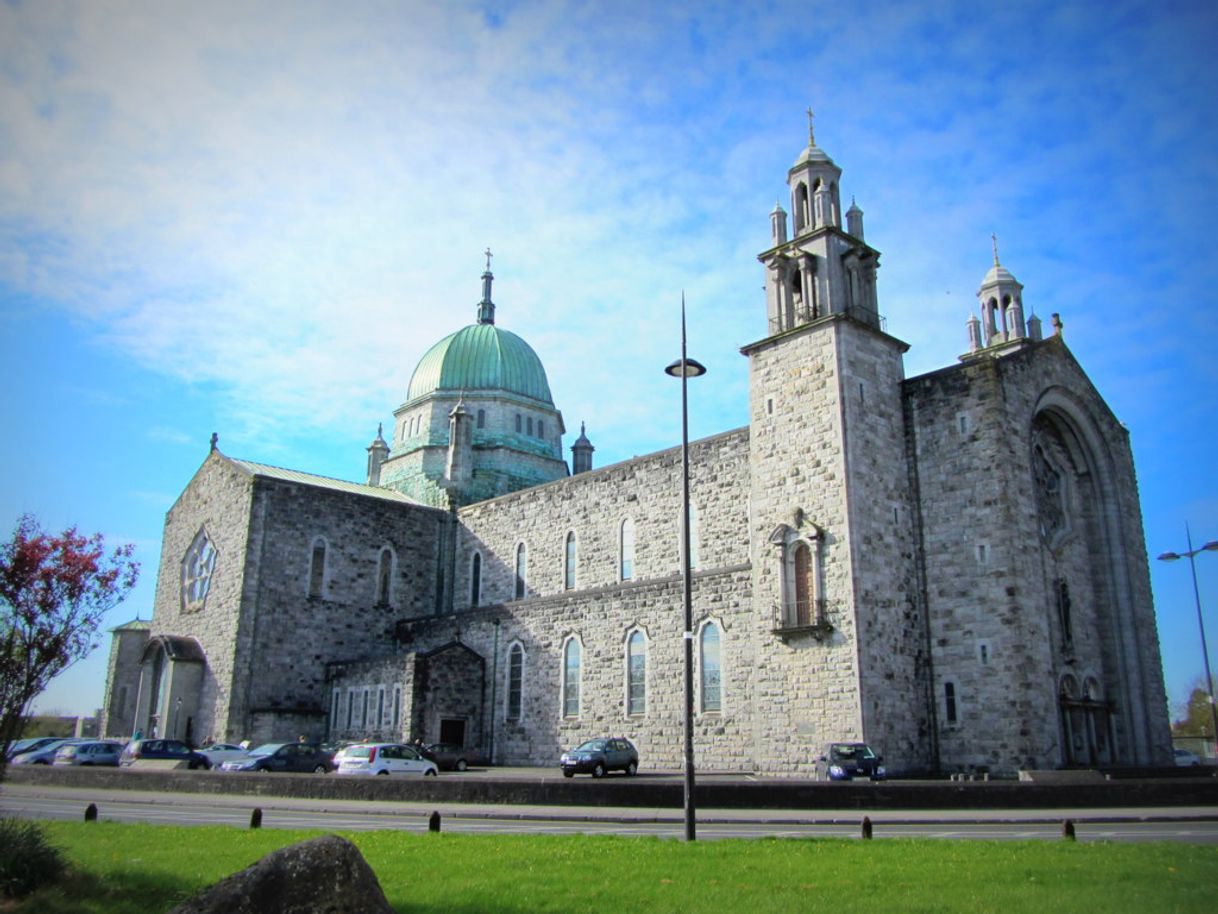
point(695, 369)
point(1211, 546)
point(1168, 557)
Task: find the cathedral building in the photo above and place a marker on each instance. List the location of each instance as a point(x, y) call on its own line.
point(950, 567)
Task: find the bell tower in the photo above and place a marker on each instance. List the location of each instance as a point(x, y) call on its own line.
point(835, 585)
point(822, 269)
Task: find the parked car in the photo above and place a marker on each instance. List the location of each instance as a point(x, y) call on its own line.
point(1186, 759)
point(31, 744)
point(219, 753)
point(91, 752)
point(384, 758)
point(139, 749)
point(451, 757)
point(597, 756)
point(845, 761)
point(43, 755)
point(283, 757)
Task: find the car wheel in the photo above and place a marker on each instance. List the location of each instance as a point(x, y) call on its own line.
point(631, 769)
point(322, 769)
point(568, 774)
point(382, 771)
point(461, 766)
point(599, 770)
point(429, 773)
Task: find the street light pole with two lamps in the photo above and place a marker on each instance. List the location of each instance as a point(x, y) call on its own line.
point(1211, 546)
point(685, 368)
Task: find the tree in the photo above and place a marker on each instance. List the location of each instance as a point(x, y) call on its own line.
point(1196, 718)
point(54, 591)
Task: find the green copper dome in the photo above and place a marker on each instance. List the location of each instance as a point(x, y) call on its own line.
point(481, 357)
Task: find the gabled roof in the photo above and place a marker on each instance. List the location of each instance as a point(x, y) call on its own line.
point(321, 482)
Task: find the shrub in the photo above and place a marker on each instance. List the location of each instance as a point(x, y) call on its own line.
point(29, 860)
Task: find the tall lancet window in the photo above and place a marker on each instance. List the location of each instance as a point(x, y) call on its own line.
point(627, 550)
point(572, 671)
point(711, 680)
point(522, 570)
point(384, 578)
point(317, 568)
point(569, 563)
point(475, 579)
point(636, 674)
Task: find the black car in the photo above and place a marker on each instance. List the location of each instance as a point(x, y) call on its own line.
point(845, 761)
point(300, 757)
point(597, 756)
point(163, 749)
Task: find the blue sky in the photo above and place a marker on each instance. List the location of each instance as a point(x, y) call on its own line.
point(255, 218)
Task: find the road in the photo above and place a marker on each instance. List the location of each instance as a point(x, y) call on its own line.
point(1199, 826)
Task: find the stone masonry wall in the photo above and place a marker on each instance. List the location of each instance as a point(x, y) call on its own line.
point(217, 499)
point(294, 634)
point(990, 571)
point(827, 455)
point(601, 611)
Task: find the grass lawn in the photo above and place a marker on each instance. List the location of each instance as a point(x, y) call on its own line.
point(143, 869)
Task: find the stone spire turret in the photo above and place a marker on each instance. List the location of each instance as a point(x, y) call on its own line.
point(486, 307)
point(1001, 304)
point(378, 451)
point(581, 453)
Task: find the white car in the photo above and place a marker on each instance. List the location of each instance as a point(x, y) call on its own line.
point(383, 758)
point(1186, 759)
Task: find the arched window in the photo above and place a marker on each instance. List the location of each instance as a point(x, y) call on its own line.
point(627, 549)
point(522, 562)
point(569, 563)
point(541, 428)
point(803, 583)
point(475, 579)
point(572, 655)
point(515, 683)
point(636, 674)
point(482, 418)
point(712, 698)
point(317, 568)
point(949, 703)
point(384, 578)
point(530, 425)
point(801, 208)
point(518, 423)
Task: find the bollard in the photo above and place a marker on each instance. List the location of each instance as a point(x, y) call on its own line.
point(256, 818)
point(1068, 829)
point(433, 823)
point(866, 829)
point(91, 812)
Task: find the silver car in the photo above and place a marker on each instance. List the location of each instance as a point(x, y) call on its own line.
point(93, 752)
point(43, 755)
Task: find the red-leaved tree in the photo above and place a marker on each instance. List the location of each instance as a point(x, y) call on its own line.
point(54, 591)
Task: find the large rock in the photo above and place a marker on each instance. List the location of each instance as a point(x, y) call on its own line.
point(326, 875)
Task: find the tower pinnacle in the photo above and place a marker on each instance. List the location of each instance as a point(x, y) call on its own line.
point(486, 308)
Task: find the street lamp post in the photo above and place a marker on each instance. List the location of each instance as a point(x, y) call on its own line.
point(1211, 546)
point(685, 368)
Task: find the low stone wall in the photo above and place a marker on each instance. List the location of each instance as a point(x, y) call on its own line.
point(647, 791)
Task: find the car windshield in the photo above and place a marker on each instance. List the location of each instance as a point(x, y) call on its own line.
point(850, 751)
point(591, 745)
point(357, 751)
